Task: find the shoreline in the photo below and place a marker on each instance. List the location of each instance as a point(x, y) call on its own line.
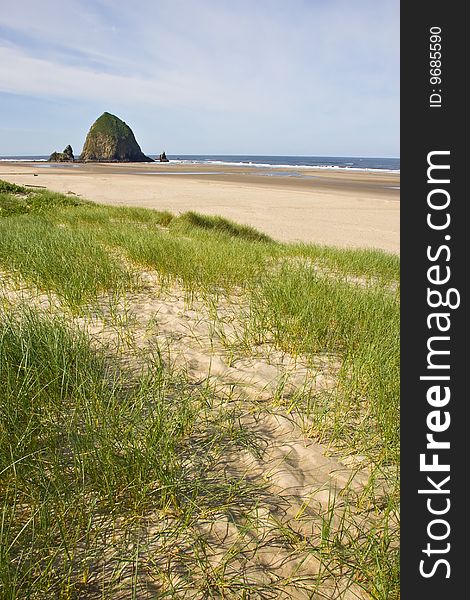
point(335, 207)
point(216, 163)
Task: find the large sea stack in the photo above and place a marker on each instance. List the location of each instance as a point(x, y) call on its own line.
point(112, 140)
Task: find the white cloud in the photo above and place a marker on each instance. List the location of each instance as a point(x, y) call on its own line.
point(317, 66)
point(23, 74)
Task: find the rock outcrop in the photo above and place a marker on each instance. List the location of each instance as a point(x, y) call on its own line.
point(65, 156)
point(112, 140)
point(162, 157)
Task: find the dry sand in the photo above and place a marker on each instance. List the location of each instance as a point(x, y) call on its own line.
point(341, 208)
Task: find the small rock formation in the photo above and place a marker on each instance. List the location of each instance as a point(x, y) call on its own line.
point(112, 140)
point(68, 152)
point(65, 156)
point(162, 157)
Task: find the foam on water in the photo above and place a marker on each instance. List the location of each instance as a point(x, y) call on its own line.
point(286, 163)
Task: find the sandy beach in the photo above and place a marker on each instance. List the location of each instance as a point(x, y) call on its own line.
point(341, 208)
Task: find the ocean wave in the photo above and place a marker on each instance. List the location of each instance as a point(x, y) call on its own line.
point(9, 159)
point(280, 166)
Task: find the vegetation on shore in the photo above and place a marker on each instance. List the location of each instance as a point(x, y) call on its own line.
point(96, 454)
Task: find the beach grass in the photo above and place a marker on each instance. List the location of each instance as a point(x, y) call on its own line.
point(307, 313)
point(86, 453)
point(94, 451)
point(71, 264)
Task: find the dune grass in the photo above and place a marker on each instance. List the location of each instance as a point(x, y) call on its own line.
point(17, 199)
point(190, 221)
point(90, 455)
point(80, 446)
point(84, 443)
point(307, 313)
point(377, 265)
point(69, 422)
point(72, 264)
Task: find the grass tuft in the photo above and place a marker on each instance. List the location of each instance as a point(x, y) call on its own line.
point(311, 314)
point(16, 200)
point(189, 221)
point(76, 439)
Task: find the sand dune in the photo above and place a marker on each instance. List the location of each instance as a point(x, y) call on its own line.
point(293, 492)
point(340, 208)
point(299, 481)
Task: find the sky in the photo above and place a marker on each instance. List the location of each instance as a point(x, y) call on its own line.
point(272, 77)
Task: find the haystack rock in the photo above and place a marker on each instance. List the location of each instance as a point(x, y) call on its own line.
point(112, 140)
point(65, 156)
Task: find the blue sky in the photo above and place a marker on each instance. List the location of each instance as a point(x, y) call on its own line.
point(296, 77)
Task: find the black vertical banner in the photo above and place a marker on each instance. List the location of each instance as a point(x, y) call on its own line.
point(435, 254)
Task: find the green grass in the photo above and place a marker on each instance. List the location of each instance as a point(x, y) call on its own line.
point(200, 261)
point(90, 454)
point(71, 264)
point(64, 406)
point(76, 440)
point(311, 314)
point(190, 221)
point(7, 187)
point(110, 125)
point(368, 263)
point(90, 450)
point(16, 200)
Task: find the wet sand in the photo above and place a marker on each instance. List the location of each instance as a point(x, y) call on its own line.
point(356, 209)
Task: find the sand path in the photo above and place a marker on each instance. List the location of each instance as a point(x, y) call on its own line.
point(302, 482)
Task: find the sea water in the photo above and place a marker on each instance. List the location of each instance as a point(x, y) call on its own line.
point(267, 162)
point(292, 162)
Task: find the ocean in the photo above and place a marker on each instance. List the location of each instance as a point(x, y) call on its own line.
point(269, 162)
point(293, 162)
